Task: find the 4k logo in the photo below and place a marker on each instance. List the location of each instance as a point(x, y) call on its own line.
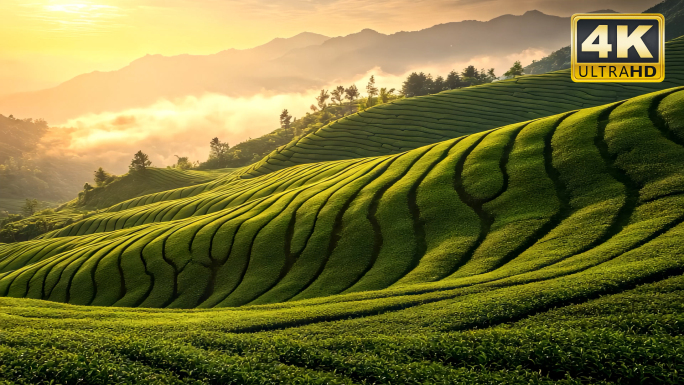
point(618, 47)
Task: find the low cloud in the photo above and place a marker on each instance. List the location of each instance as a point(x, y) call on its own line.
point(185, 126)
point(181, 127)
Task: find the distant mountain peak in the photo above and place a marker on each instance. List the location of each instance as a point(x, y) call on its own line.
point(308, 34)
point(604, 11)
point(302, 35)
point(302, 62)
point(534, 12)
point(369, 31)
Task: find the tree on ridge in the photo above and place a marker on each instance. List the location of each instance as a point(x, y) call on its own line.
point(285, 119)
point(140, 162)
point(351, 94)
point(372, 91)
point(516, 70)
point(101, 177)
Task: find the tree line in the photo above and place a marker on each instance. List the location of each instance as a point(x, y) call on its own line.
point(330, 105)
point(419, 84)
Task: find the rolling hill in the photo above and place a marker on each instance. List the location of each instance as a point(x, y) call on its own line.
point(428, 119)
point(150, 181)
point(528, 231)
point(545, 251)
point(439, 216)
point(88, 203)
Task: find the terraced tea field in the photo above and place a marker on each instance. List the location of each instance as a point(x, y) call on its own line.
point(151, 181)
point(537, 252)
point(543, 251)
point(532, 200)
point(406, 124)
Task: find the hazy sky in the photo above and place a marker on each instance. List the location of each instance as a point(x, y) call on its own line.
point(43, 42)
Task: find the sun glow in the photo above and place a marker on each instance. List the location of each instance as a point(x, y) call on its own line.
point(81, 17)
point(80, 9)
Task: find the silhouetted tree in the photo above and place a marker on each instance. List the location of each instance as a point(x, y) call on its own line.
point(470, 74)
point(30, 206)
point(452, 81)
point(438, 85)
point(322, 98)
point(491, 74)
point(385, 94)
point(516, 70)
point(313, 108)
point(140, 162)
point(351, 93)
point(285, 119)
point(417, 84)
point(101, 177)
point(182, 163)
point(218, 149)
point(372, 90)
point(338, 95)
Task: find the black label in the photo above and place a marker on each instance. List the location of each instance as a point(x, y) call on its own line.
point(651, 40)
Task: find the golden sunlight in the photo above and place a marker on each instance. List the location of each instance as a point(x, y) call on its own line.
point(77, 17)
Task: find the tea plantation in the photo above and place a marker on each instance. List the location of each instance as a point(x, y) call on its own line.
point(410, 123)
point(152, 180)
point(538, 251)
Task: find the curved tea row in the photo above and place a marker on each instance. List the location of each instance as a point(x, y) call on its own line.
point(554, 198)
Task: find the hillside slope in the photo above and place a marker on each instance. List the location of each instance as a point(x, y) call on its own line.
point(577, 200)
point(150, 181)
point(120, 188)
point(410, 123)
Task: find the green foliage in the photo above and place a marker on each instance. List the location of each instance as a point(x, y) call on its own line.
point(183, 163)
point(673, 10)
point(16, 228)
point(338, 95)
point(417, 84)
point(556, 61)
point(322, 99)
point(385, 95)
point(140, 162)
point(421, 84)
point(11, 218)
point(515, 70)
point(472, 76)
point(351, 94)
point(30, 207)
point(540, 251)
point(253, 150)
point(131, 185)
point(372, 90)
point(529, 196)
point(454, 113)
point(102, 177)
point(285, 120)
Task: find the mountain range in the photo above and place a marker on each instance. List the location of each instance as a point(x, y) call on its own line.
point(303, 62)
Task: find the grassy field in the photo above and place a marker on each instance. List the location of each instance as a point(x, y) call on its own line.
point(543, 251)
